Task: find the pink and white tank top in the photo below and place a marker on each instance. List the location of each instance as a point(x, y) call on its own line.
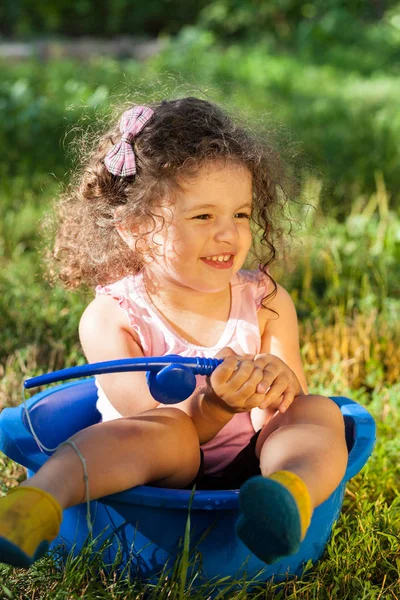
point(157, 338)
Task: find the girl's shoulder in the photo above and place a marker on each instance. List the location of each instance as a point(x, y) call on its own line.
point(255, 284)
point(129, 295)
point(125, 290)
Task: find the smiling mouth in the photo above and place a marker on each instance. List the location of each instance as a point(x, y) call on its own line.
point(221, 261)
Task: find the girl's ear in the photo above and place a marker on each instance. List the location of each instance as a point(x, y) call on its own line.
point(127, 235)
point(134, 239)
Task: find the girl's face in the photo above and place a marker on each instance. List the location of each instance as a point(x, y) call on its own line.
point(206, 236)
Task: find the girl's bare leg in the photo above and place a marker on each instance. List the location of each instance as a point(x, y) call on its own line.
point(303, 457)
point(307, 440)
point(159, 446)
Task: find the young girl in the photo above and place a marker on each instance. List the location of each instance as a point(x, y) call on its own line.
point(161, 219)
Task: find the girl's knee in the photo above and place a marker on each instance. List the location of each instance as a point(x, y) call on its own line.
point(164, 426)
point(173, 442)
point(182, 448)
point(328, 410)
point(314, 408)
point(177, 421)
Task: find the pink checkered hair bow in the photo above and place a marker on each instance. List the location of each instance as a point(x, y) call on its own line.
point(120, 160)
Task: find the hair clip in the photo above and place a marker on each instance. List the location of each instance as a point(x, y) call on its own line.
point(120, 160)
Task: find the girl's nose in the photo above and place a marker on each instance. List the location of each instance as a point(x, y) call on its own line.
point(226, 231)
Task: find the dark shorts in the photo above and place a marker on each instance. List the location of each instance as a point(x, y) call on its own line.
point(243, 466)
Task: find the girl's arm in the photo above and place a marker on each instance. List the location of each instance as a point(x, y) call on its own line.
point(278, 365)
point(280, 333)
point(105, 335)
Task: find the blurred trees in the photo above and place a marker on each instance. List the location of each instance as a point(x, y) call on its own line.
point(243, 19)
point(287, 20)
point(328, 69)
point(21, 18)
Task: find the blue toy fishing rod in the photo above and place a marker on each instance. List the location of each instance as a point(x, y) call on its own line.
point(170, 378)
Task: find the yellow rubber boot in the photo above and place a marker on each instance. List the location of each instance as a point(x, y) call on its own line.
point(30, 518)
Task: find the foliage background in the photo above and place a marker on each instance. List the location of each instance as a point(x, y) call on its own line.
point(323, 78)
point(327, 70)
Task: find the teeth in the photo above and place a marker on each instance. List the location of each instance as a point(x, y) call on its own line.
point(224, 258)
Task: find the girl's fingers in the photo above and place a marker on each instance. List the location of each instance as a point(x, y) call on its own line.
point(243, 372)
point(270, 374)
point(278, 388)
point(248, 381)
point(287, 400)
point(248, 387)
point(232, 374)
point(234, 382)
point(254, 401)
point(225, 370)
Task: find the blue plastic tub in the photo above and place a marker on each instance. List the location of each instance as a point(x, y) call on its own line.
point(147, 524)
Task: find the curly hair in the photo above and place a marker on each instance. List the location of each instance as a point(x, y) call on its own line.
point(181, 137)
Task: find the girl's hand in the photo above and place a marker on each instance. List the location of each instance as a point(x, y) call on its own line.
point(279, 384)
point(242, 383)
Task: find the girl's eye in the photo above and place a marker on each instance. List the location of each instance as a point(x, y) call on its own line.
point(205, 217)
point(202, 217)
